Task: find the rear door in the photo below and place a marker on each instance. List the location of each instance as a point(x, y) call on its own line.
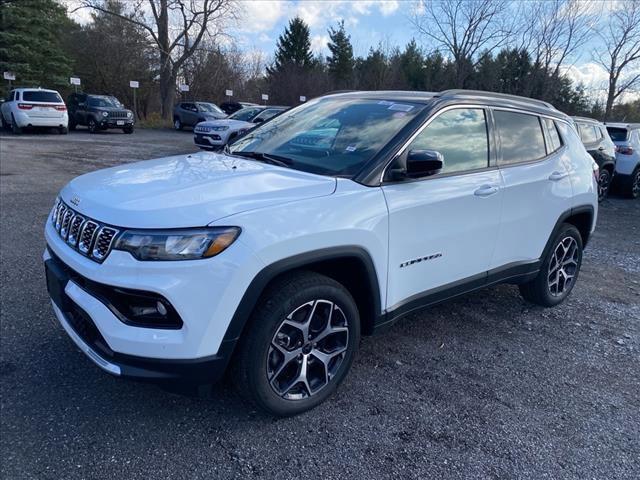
point(443, 228)
point(534, 164)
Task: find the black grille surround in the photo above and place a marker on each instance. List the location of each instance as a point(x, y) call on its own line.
point(89, 237)
point(119, 115)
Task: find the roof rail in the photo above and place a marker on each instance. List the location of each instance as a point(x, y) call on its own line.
point(506, 96)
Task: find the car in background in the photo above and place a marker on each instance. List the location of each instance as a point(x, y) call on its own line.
point(626, 137)
point(189, 114)
point(596, 140)
point(98, 112)
point(233, 107)
point(34, 107)
point(218, 133)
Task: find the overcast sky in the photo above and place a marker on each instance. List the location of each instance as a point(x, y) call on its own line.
point(369, 22)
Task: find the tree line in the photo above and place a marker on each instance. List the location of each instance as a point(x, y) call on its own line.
point(496, 45)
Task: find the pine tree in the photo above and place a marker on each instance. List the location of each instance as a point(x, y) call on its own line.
point(341, 61)
point(31, 42)
point(293, 48)
point(412, 65)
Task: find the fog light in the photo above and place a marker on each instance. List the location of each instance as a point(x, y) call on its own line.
point(162, 310)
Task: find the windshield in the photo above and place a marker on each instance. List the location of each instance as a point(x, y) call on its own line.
point(617, 134)
point(109, 102)
point(40, 96)
point(209, 107)
point(245, 114)
point(330, 136)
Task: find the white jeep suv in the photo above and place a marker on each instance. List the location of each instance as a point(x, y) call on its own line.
point(326, 223)
point(34, 107)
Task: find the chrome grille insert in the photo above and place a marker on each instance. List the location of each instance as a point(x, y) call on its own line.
point(85, 235)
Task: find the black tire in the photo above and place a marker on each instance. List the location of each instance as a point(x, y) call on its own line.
point(14, 126)
point(540, 290)
point(128, 130)
point(92, 126)
point(604, 184)
point(296, 296)
point(631, 187)
point(5, 125)
point(72, 125)
point(177, 124)
point(63, 130)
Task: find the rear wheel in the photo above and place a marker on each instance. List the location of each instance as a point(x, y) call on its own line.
point(559, 269)
point(604, 183)
point(63, 130)
point(5, 125)
point(177, 124)
point(300, 344)
point(72, 124)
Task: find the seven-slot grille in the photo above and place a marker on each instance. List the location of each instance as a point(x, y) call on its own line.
point(118, 115)
point(83, 234)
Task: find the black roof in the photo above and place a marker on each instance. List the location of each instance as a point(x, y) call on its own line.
point(450, 96)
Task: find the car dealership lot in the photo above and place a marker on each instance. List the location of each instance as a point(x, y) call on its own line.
point(485, 386)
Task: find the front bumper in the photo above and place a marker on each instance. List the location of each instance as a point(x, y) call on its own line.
point(209, 140)
point(63, 289)
point(115, 123)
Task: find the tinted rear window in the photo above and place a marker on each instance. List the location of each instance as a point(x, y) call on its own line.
point(618, 134)
point(37, 96)
point(521, 137)
point(554, 139)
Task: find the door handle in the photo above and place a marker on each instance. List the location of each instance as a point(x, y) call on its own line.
point(555, 176)
point(485, 191)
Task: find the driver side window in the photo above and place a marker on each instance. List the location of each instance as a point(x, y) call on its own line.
point(461, 136)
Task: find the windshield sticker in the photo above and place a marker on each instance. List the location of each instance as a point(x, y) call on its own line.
point(350, 148)
point(402, 107)
point(385, 102)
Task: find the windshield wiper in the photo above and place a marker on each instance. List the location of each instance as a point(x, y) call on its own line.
point(267, 158)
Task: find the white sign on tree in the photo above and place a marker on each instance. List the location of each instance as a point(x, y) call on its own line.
point(184, 88)
point(303, 98)
point(265, 97)
point(74, 80)
point(9, 76)
point(134, 84)
point(229, 93)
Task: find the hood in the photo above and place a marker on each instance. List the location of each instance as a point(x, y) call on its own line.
point(188, 190)
point(232, 124)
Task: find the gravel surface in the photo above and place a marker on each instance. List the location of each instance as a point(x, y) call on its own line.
point(485, 386)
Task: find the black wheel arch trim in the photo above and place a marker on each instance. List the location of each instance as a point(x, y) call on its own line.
point(299, 262)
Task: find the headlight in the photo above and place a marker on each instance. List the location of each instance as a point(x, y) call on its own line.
point(105, 114)
point(129, 114)
point(188, 244)
point(220, 128)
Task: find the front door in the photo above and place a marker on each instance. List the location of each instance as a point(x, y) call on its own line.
point(443, 228)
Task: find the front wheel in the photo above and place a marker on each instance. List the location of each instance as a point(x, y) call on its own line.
point(559, 270)
point(128, 130)
point(301, 342)
point(92, 126)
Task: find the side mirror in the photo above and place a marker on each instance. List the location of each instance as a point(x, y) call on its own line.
point(258, 120)
point(422, 163)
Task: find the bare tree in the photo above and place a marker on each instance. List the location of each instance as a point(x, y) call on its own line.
point(464, 28)
point(621, 53)
point(558, 29)
point(175, 29)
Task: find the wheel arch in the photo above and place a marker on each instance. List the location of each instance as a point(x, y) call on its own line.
point(580, 217)
point(352, 266)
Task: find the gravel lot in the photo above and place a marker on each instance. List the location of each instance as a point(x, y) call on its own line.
point(485, 386)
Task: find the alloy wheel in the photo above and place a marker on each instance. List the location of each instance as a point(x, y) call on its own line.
point(307, 349)
point(635, 187)
point(603, 184)
point(563, 267)
point(92, 126)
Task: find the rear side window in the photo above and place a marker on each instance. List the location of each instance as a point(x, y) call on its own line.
point(40, 96)
point(521, 137)
point(618, 134)
point(460, 135)
point(552, 133)
point(588, 133)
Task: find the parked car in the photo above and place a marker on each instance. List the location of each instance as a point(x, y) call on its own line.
point(34, 107)
point(218, 133)
point(189, 114)
point(233, 107)
point(272, 258)
point(626, 137)
point(596, 140)
point(99, 112)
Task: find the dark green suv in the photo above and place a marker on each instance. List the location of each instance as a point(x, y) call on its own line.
point(98, 112)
